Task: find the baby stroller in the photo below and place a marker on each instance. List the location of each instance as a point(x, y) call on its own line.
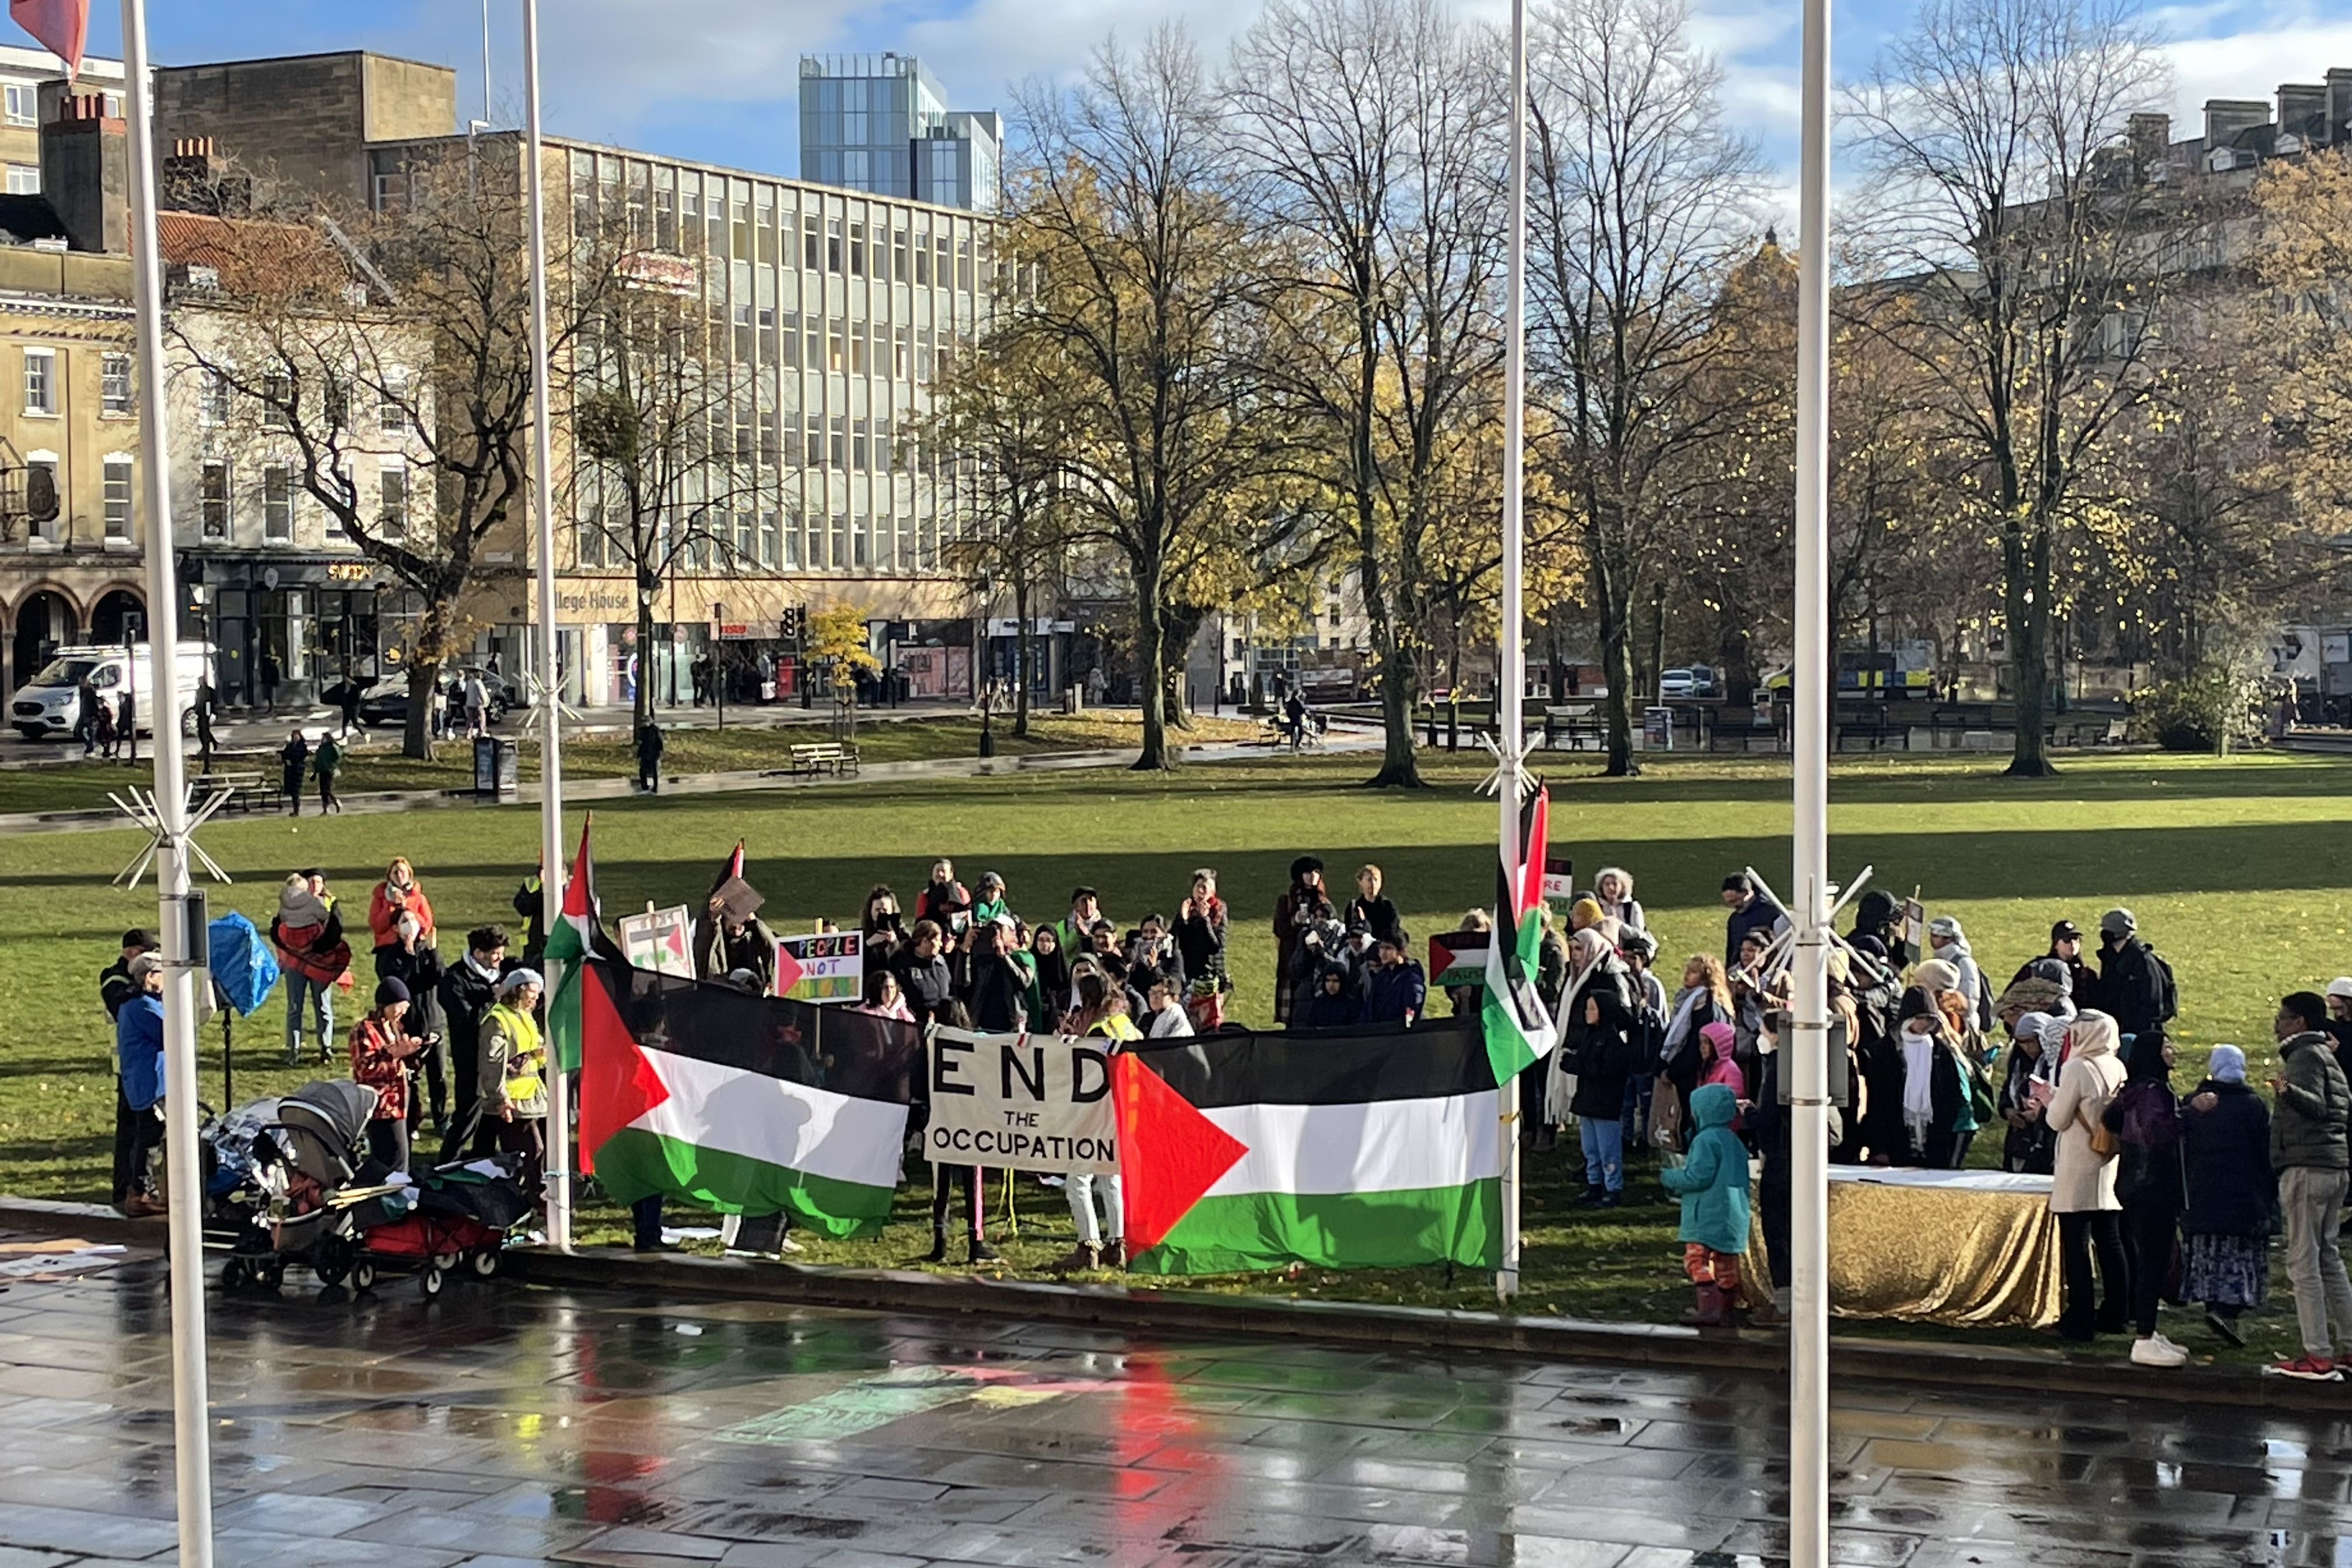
point(282, 1177)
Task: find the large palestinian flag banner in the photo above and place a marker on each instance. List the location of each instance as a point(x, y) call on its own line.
point(1344, 1149)
point(745, 1104)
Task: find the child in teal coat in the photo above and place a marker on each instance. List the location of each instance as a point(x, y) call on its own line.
point(1713, 1183)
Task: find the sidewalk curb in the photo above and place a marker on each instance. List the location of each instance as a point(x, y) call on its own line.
point(1131, 1309)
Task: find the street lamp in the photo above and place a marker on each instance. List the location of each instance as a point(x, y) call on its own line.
point(719, 660)
point(980, 691)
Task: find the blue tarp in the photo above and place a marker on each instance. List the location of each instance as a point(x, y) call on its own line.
point(242, 965)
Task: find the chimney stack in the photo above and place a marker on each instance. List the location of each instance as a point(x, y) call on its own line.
point(2302, 112)
point(2339, 106)
point(2225, 117)
point(86, 173)
point(2150, 136)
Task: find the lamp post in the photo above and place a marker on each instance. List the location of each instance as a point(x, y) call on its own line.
point(719, 660)
point(980, 689)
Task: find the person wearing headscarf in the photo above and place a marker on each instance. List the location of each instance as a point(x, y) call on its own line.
point(1934, 1096)
point(513, 1076)
point(2145, 1115)
point(1949, 942)
point(1597, 1046)
point(1051, 985)
point(2028, 1147)
point(1303, 904)
point(2232, 1194)
point(2083, 1183)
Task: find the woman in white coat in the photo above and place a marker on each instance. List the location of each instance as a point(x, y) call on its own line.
point(2083, 1186)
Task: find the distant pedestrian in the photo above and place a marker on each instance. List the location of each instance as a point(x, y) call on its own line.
point(207, 700)
point(270, 670)
point(478, 705)
point(347, 698)
point(102, 730)
point(325, 764)
point(2309, 1128)
point(85, 714)
point(649, 756)
point(126, 722)
point(294, 771)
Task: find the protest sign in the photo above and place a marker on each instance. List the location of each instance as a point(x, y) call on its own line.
point(660, 940)
point(1023, 1102)
point(830, 967)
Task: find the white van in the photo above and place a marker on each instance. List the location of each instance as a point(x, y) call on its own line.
point(44, 707)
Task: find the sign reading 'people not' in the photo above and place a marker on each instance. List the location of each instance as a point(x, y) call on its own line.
point(1022, 1102)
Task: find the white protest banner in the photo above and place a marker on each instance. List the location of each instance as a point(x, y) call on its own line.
point(658, 940)
point(828, 967)
point(1022, 1102)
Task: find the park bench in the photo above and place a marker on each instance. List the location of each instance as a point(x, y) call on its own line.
point(1567, 726)
point(811, 758)
point(254, 791)
point(1866, 724)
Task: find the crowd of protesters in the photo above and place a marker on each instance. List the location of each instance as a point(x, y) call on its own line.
point(2159, 1195)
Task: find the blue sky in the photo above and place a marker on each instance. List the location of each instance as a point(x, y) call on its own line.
point(715, 79)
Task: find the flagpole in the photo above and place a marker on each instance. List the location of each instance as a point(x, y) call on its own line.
point(191, 1434)
point(1510, 673)
point(551, 722)
point(1808, 1332)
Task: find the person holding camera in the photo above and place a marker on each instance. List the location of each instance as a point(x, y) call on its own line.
point(1304, 903)
point(381, 1049)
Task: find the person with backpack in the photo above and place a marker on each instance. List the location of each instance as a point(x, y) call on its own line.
point(2135, 987)
point(2145, 1117)
point(2082, 1181)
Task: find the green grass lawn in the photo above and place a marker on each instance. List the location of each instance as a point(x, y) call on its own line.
point(376, 765)
point(2236, 869)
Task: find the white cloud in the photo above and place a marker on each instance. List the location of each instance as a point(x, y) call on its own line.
point(2214, 56)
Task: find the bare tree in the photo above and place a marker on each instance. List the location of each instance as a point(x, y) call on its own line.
point(1146, 280)
point(2009, 198)
point(1370, 131)
point(425, 332)
point(1640, 199)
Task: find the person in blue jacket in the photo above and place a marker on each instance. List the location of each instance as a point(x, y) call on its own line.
point(1397, 990)
point(1713, 1183)
point(137, 1114)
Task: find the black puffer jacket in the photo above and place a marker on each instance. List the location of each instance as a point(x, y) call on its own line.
point(1602, 1056)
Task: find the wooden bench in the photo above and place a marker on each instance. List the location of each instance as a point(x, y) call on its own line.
point(247, 791)
point(811, 758)
point(1569, 726)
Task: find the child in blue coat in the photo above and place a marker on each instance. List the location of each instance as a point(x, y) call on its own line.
point(1713, 1183)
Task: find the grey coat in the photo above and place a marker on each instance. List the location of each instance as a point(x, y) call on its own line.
point(2314, 1106)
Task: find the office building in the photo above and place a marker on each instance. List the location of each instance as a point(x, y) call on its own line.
point(880, 124)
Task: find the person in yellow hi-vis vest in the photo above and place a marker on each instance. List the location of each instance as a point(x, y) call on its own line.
point(514, 1075)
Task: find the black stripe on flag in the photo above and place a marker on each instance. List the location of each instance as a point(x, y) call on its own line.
point(855, 1053)
point(1327, 1066)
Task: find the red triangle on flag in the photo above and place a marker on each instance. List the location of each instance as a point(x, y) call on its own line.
point(789, 972)
point(1170, 1154)
point(617, 1079)
point(580, 888)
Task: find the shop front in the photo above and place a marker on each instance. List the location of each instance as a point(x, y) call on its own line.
point(288, 629)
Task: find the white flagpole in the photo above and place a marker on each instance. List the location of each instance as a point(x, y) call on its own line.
point(551, 711)
point(1808, 1345)
point(191, 1435)
point(1510, 672)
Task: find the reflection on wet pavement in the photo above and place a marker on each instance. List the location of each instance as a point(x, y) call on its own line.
point(501, 1426)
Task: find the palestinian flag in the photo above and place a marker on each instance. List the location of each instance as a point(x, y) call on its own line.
point(789, 972)
point(1360, 1149)
point(729, 869)
point(744, 1104)
point(1518, 1029)
point(574, 935)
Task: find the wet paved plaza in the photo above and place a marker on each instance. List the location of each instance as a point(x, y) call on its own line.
point(502, 1426)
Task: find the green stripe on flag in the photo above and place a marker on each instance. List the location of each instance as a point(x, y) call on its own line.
point(636, 1162)
point(1407, 1228)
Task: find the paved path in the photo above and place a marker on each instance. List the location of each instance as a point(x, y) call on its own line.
point(501, 1426)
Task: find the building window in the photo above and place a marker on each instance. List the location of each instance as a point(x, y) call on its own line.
point(278, 504)
point(278, 400)
point(24, 103)
point(213, 407)
point(214, 494)
point(114, 384)
point(833, 245)
point(857, 249)
point(118, 498)
point(40, 381)
point(922, 261)
point(392, 500)
point(898, 352)
point(392, 405)
point(808, 244)
point(898, 254)
point(24, 179)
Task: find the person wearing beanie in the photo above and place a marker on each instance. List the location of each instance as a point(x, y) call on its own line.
point(114, 983)
point(138, 1087)
point(2135, 987)
point(380, 1048)
point(2225, 1151)
point(2309, 1127)
point(2028, 1148)
point(1303, 904)
point(2083, 1183)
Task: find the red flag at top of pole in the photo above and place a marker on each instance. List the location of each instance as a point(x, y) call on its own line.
point(62, 26)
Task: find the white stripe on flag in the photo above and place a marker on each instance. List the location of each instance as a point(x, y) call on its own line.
point(1375, 1146)
point(813, 1130)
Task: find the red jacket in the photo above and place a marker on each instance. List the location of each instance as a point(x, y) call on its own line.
point(385, 908)
point(374, 1064)
point(296, 951)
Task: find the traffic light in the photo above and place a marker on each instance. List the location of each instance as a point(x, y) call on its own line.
point(796, 622)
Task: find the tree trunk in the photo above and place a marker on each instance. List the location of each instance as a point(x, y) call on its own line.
point(1400, 769)
point(1024, 650)
point(1150, 633)
point(643, 705)
point(2026, 556)
point(1617, 664)
point(416, 734)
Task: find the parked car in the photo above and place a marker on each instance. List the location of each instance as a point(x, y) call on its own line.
point(1676, 683)
point(386, 705)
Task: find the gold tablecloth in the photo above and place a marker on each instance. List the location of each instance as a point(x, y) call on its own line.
point(1965, 1248)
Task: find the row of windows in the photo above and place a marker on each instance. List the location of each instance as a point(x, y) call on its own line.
point(281, 493)
point(774, 541)
point(217, 405)
point(41, 383)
